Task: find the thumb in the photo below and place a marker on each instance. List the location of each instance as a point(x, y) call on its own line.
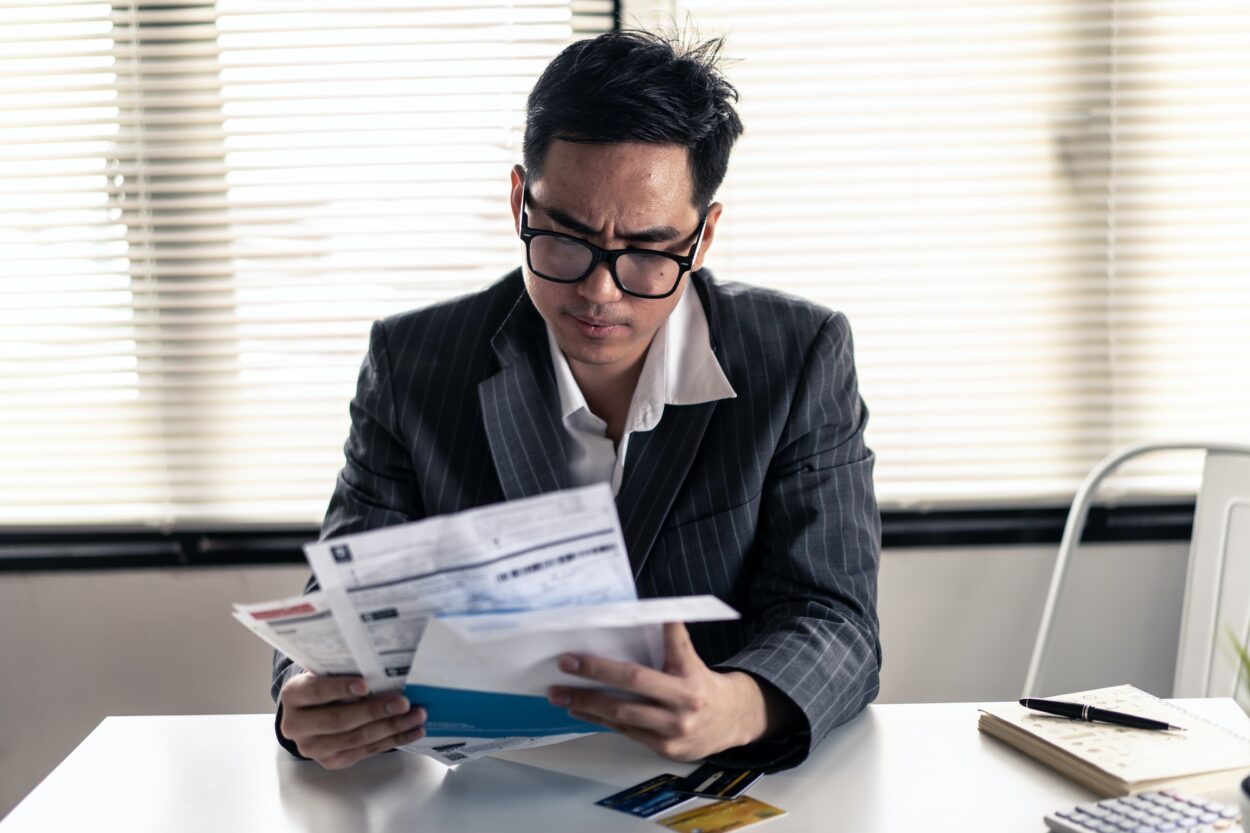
point(679, 651)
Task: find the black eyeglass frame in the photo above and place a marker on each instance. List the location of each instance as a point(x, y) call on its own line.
point(599, 255)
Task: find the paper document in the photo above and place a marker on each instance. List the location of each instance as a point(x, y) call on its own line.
point(468, 612)
point(488, 674)
point(557, 549)
point(303, 628)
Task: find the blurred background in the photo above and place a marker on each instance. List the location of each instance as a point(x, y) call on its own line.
point(1036, 216)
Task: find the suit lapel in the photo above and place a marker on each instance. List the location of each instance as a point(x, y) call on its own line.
point(656, 466)
point(659, 460)
point(518, 406)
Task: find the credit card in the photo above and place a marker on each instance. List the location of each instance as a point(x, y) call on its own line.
point(717, 781)
point(722, 816)
point(648, 799)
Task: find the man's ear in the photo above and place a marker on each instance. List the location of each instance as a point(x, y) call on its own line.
point(518, 194)
point(709, 234)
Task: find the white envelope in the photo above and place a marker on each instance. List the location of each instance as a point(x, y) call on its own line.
point(462, 658)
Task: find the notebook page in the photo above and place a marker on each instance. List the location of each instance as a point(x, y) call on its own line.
point(1135, 754)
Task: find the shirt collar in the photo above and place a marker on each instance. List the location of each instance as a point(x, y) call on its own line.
point(680, 369)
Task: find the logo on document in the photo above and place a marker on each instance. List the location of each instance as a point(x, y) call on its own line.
point(341, 553)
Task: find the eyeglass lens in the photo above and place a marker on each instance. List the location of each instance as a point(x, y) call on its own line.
point(567, 260)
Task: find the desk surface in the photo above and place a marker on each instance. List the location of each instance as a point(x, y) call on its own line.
point(894, 768)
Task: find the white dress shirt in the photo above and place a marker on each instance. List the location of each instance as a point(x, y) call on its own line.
point(680, 369)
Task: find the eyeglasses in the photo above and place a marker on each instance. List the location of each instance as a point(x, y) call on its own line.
point(643, 273)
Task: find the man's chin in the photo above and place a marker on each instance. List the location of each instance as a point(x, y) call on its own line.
point(594, 350)
point(594, 355)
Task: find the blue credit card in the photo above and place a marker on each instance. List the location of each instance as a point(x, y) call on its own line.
point(648, 799)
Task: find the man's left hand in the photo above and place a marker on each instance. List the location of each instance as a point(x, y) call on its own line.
point(687, 711)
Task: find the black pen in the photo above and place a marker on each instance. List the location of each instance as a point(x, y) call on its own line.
point(1083, 711)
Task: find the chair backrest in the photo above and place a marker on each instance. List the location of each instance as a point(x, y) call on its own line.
point(1217, 586)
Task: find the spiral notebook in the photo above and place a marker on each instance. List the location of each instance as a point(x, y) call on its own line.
point(1115, 760)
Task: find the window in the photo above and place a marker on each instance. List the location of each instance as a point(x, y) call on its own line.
point(203, 205)
point(1035, 214)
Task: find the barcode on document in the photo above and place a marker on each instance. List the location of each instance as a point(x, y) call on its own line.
point(528, 569)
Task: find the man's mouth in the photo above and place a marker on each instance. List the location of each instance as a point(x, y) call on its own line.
point(595, 326)
point(594, 322)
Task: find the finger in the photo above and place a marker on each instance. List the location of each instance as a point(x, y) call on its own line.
point(351, 757)
point(323, 746)
point(590, 718)
point(619, 713)
point(679, 651)
point(342, 717)
point(661, 745)
point(307, 689)
point(626, 676)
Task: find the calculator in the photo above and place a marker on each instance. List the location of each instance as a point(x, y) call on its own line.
point(1161, 811)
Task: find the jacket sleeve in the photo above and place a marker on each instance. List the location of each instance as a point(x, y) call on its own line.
point(813, 597)
point(376, 486)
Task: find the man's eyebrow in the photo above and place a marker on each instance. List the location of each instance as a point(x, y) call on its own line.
point(655, 234)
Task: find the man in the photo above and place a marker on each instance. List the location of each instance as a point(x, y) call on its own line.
point(726, 418)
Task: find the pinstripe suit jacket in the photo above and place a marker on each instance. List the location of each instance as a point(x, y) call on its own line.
point(765, 500)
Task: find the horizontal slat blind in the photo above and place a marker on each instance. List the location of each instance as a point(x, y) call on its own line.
point(1035, 214)
point(202, 207)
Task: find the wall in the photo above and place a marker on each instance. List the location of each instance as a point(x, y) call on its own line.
point(957, 625)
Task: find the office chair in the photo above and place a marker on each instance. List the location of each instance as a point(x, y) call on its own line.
point(1217, 583)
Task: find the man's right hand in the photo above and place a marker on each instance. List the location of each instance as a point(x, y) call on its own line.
point(332, 721)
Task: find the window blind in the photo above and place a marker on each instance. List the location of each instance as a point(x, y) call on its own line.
point(203, 205)
point(1036, 216)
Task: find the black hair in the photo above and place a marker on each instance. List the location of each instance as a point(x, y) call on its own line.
point(636, 86)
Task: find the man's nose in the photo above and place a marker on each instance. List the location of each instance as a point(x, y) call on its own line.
point(598, 287)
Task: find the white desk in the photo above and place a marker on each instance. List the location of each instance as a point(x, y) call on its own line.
point(895, 768)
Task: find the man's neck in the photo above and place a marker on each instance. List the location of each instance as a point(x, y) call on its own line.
point(608, 390)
